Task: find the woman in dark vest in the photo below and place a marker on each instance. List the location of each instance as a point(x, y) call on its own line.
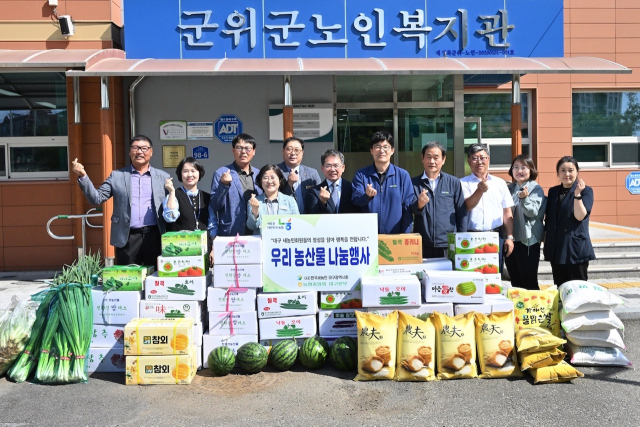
point(186, 208)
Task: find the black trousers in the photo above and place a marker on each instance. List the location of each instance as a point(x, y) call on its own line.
point(141, 248)
point(523, 266)
point(429, 252)
point(566, 272)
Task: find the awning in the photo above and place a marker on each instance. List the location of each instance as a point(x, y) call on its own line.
point(55, 58)
point(116, 66)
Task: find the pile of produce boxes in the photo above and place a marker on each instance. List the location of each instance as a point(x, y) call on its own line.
point(286, 315)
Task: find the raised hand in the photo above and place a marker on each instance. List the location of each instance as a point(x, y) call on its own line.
point(226, 178)
point(423, 198)
point(523, 193)
point(370, 191)
point(484, 185)
point(78, 168)
point(579, 187)
point(168, 185)
point(324, 195)
point(255, 205)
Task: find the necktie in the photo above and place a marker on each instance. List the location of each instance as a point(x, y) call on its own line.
point(297, 183)
point(335, 195)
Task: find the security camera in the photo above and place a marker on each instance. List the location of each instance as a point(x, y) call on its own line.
point(66, 25)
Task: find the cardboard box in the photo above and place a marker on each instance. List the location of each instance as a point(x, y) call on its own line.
point(453, 286)
point(175, 288)
point(237, 250)
point(472, 308)
point(437, 264)
point(183, 266)
point(198, 331)
point(337, 323)
point(244, 323)
point(249, 276)
point(175, 369)
point(125, 278)
point(499, 303)
point(287, 304)
point(473, 242)
point(101, 359)
point(286, 327)
point(480, 263)
point(416, 269)
point(422, 312)
point(381, 291)
point(234, 342)
point(115, 307)
point(333, 300)
point(184, 243)
point(493, 285)
point(158, 336)
point(198, 357)
point(239, 299)
point(172, 310)
point(107, 336)
point(399, 249)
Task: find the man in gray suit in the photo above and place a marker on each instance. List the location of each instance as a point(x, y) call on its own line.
point(137, 191)
point(300, 179)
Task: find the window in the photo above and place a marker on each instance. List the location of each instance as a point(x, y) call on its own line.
point(606, 128)
point(33, 126)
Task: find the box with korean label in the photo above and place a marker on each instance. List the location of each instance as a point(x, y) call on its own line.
point(231, 299)
point(101, 359)
point(499, 303)
point(115, 307)
point(399, 249)
point(337, 323)
point(175, 288)
point(330, 300)
point(443, 263)
point(183, 266)
point(484, 308)
point(237, 250)
point(423, 312)
point(473, 242)
point(381, 291)
point(287, 304)
point(175, 369)
point(184, 243)
point(453, 286)
point(107, 336)
point(480, 263)
point(234, 342)
point(493, 285)
point(240, 276)
point(244, 323)
point(198, 331)
point(416, 269)
point(172, 310)
point(288, 327)
point(125, 278)
point(158, 336)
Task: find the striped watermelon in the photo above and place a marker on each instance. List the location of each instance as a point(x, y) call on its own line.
point(314, 352)
point(344, 353)
point(221, 360)
point(283, 355)
point(252, 357)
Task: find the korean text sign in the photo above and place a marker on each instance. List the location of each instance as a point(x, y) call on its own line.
point(318, 252)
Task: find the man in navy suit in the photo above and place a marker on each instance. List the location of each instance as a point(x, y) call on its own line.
point(300, 179)
point(333, 195)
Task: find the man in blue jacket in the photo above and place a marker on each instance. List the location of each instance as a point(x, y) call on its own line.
point(385, 189)
point(439, 206)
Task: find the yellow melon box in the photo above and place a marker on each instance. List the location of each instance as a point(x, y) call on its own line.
point(158, 337)
point(177, 369)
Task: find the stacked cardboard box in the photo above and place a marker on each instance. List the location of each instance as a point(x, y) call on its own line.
point(286, 315)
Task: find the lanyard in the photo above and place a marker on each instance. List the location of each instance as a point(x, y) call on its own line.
point(195, 205)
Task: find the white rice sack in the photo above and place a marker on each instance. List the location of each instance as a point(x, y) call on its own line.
point(600, 320)
point(579, 296)
point(596, 356)
point(610, 338)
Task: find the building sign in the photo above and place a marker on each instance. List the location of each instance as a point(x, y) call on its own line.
point(633, 183)
point(311, 122)
point(199, 130)
point(318, 252)
point(172, 155)
point(227, 127)
point(173, 130)
point(344, 28)
point(200, 153)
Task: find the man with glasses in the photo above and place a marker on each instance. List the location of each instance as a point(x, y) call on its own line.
point(137, 191)
point(488, 199)
point(385, 189)
point(300, 179)
point(333, 195)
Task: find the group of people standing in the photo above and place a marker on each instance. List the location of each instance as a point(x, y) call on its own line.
point(147, 203)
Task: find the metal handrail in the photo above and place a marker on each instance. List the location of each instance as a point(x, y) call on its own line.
point(82, 249)
point(86, 220)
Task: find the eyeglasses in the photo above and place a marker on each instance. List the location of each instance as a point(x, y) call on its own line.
point(293, 150)
point(520, 168)
point(382, 147)
point(240, 149)
point(270, 178)
point(136, 148)
point(479, 159)
point(332, 166)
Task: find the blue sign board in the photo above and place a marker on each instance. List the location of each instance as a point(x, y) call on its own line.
point(633, 182)
point(200, 153)
point(227, 127)
point(343, 28)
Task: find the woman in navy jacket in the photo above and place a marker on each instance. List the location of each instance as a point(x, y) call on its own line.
point(567, 245)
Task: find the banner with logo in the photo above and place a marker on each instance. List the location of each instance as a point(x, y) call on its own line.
point(318, 252)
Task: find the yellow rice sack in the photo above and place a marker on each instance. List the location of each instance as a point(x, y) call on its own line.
point(536, 309)
point(376, 346)
point(455, 346)
point(416, 349)
point(559, 373)
point(532, 340)
point(495, 336)
point(540, 359)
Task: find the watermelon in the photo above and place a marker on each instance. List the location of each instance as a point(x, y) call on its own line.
point(314, 352)
point(221, 360)
point(252, 357)
point(283, 355)
point(344, 354)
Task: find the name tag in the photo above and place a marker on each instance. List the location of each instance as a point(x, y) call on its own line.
point(393, 186)
point(309, 187)
point(445, 192)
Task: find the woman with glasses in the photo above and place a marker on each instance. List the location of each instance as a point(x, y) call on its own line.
point(272, 201)
point(186, 208)
point(528, 211)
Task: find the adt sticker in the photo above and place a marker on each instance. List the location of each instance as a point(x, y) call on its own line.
point(227, 127)
point(200, 153)
point(633, 183)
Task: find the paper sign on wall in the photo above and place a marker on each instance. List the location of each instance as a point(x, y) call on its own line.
point(173, 130)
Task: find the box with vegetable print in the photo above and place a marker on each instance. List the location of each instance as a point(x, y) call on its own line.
point(287, 327)
point(107, 336)
point(337, 323)
point(184, 243)
point(183, 266)
point(100, 359)
point(287, 304)
point(477, 242)
point(382, 291)
point(125, 278)
point(172, 310)
point(175, 288)
point(399, 249)
point(480, 263)
point(454, 286)
point(330, 300)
